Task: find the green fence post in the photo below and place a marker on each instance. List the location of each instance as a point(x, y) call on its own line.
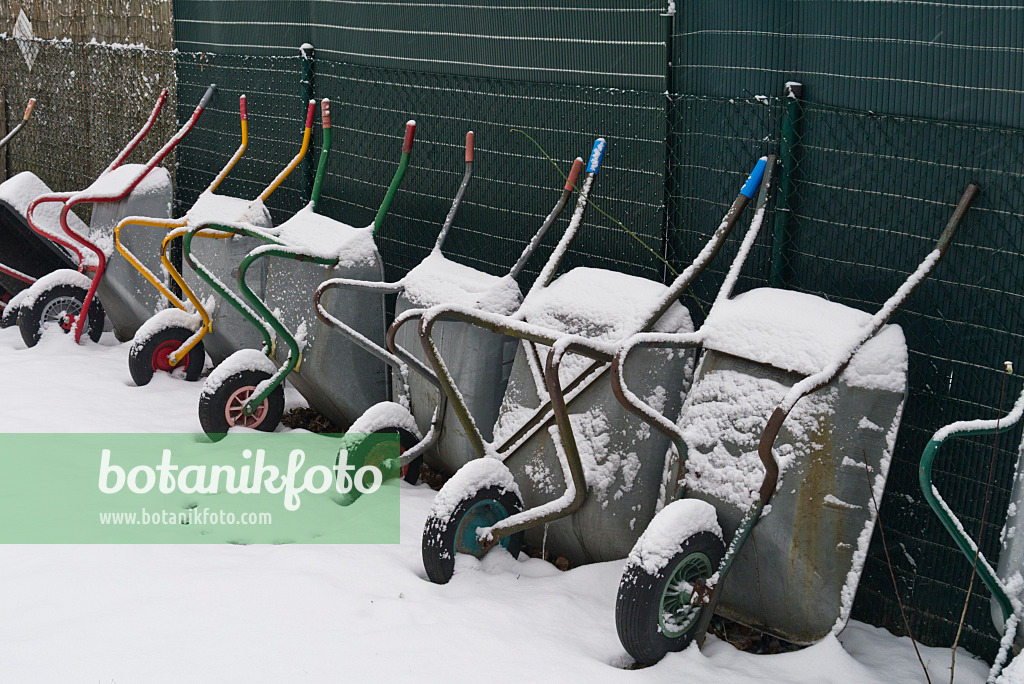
point(308, 74)
point(780, 272)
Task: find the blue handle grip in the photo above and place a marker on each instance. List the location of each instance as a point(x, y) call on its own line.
point(596, 156)
point(755, 178)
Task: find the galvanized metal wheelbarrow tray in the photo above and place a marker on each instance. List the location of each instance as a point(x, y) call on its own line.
point(798, 577)
point(172, 335)
point(339, 379)
point(1003, 581)
point(580, 527)
point(478, 360)
point(121, 189)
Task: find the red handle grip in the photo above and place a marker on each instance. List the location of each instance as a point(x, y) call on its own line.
point(470, 137)
point(410, 133)
point(325, 113)
point(241, 107)
point(574, 174)
point(29, 108)
point(309, 113)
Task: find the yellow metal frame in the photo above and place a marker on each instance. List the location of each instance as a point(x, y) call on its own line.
point(178, 227)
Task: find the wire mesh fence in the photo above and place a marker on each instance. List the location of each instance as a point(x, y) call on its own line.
point(91, 100)
point(871, 194)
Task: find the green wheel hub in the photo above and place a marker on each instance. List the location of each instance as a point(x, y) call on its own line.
point(675, 615)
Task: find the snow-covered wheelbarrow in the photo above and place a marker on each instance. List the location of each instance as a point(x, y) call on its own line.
point(1004, 581)
point(425, 429)
point(173, 338)
point(783, 441)
point(589, 502)
point(338, 378)
point(70, 298)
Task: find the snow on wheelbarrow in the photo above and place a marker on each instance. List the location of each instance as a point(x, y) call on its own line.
point(478, 360)
point(174, 338)
point(568, 470)
point(70, 298)
point(333, 375)
point(783, 439)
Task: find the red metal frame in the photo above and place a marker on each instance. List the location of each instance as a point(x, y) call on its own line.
point(70, 200)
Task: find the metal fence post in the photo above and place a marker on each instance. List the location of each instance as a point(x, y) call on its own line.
point(780, 271)
point(308, 75)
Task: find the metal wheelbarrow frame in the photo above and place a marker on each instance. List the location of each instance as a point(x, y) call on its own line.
point(64, 295)
point(1007, 607)
point(173, 338)
point(662, 606)
point(481, 505)
point(250, 392)
point(401, 417)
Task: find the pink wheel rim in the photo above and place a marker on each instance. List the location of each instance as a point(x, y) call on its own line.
point(234, 410)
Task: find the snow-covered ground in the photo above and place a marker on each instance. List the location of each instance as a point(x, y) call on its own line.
point(296, 613)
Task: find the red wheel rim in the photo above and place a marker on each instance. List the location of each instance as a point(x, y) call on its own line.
point(161, 356)
point(234, 410)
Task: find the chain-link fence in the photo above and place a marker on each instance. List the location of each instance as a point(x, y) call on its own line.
point(91, 100)
point(871, 194)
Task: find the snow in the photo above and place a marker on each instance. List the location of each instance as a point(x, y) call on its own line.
point(206, 614)
point(468, 480)
point(168, 318)
point(210, 206)
point(1003, 422)
point(601, 305)
point(438, 280)
point(19, 192)
point(241, 360)
point(672, 526)
point(722, 421)
point(62, 276)
point(116, 183)
point(800, 332)
point(386, 414)
point(321, 236)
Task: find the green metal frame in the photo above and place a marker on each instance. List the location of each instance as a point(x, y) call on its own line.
point(949, 519)
point(252, 307)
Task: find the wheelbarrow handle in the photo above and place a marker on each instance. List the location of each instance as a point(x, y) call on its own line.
point(410, 135)
point(325, 113)
point(28, 109)
point(207, 96)
point(470, 138)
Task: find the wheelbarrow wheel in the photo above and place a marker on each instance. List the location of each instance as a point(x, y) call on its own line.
point(443, 537)
point(59, 305)
point(383, 456)
point(653, 614)
point(150, 354)
point(222, 408)
point(9, 317)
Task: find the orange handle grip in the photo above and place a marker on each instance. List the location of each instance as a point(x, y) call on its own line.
point(309, 113)
point(29, 108)
point(574, 174)
point(410, 133)
point(325, 113)
point(470, 137)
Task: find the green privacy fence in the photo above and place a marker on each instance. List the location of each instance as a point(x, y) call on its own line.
point(871, 192)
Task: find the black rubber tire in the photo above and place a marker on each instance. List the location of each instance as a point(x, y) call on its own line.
point(30, 317)
point(212, 406)
point(438, 544)
point(9, 317)
point(140, 355)
point(638, 603)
